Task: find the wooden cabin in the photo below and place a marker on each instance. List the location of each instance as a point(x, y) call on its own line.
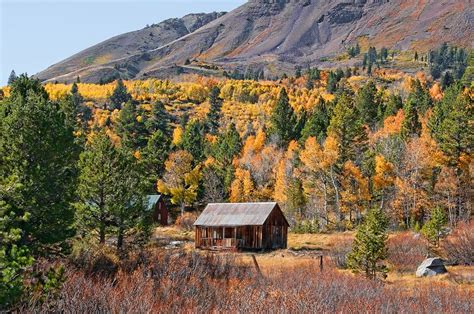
point(246, 226)
point(157, 206)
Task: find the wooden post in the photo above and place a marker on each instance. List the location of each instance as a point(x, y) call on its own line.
point(256, 265)
point(321, 263)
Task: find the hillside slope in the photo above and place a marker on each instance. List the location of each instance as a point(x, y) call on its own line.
point(276, 35)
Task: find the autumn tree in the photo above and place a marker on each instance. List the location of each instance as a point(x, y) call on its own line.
point(181, 179)
point(119, 96)
point(451, 127)
point(369, 246)
point(320, 176)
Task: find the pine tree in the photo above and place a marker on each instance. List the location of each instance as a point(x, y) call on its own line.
point(119, 96)
point(367, 103)
point(15, 257)
point(317, 123)
point(110, 198)
point(154, 156)
point(284, 120)
point(214, 115)
point(369, 246)
point(348, 130)
point(159, 119)
point(224, 151)
point(434, 226)
point(37, 147)
point(394, 104)
point(130, 130)
point(193, 140)
point(411, 124)
point(12, 78)
point(332, 82)
point(420, 97)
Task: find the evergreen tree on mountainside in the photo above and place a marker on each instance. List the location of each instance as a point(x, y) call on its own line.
point(37, 148)
point(131, 131)
point(420, 97)
point(194, 140)
point(76, 112)
point(119, 96)
point(285, 123)
point(394, 104)
point(346, 127)
point(367, 103)
point(411, 125)
point(154, 156)
point(214, 115)
point(317, 123)
point(12, 78)
point(159, 119)
point(224, 151)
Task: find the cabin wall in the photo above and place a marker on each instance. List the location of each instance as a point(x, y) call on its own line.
point(160, 214)
point(275, 231)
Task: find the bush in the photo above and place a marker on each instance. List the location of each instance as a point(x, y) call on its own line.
point(406, 251)
point(186, 221)
point(172, 282)
point(459, 246)
point(339, 253)
point(306, 226)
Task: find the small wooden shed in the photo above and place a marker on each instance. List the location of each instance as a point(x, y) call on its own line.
point(157, 206)
point(252, 226)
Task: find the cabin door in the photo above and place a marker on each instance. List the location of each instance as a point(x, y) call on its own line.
point(277, 237)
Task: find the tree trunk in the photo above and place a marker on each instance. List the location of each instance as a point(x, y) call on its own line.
point(120, 238)
point(102, 233)
point(182, 209)
point(336, 190)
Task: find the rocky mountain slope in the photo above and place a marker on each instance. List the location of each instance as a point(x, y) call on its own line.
point(274, 35)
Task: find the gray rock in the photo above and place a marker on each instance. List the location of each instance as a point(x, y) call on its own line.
point(431, 267)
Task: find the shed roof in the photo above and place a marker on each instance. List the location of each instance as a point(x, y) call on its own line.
point(235, 214)
point(151, 201)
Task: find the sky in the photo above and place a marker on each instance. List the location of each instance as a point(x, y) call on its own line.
point(35, 34)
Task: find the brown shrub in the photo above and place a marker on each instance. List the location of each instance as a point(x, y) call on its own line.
point(339, 253)
point(192, 282)
point(459, 246)
point(406, 251)
point(186, 221)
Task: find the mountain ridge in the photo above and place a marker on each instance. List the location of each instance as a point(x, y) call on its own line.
point(277, 35)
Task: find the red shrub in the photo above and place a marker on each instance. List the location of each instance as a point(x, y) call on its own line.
point(459, 246)
point(406, 251)
point(190, 282)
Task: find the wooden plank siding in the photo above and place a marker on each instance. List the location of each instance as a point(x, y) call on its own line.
point(272, 234)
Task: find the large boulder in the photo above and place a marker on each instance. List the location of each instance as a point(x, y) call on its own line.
point(431, 267)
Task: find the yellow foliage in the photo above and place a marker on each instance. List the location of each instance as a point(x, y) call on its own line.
point(177, 135)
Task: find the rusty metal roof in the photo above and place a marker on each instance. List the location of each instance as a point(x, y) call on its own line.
point(235, 214)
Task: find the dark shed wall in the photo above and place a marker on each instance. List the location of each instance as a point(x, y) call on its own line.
point(275, 230)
